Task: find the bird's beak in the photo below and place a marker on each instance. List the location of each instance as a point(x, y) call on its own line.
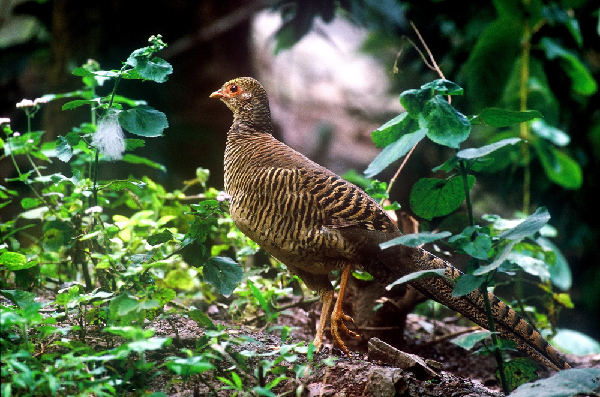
point(216, 94)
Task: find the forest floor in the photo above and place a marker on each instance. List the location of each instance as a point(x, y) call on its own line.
point(459, 372)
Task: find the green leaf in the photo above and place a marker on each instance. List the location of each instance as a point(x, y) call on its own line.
point(498, 261)
point(64, 151)
point(132, 144)
point(496, 117)
point(558, 166)
point(546, 131)
point(144, 121)
point(417, 275)
point(394, 151)
point(528, 226)
point(415, 239)
point(474, 153)
point(155, 69)
point(443, 87)
point(466, 284)
point(19, 297)
point(582, 81)
point(30, 202)
point(392, 130)
point(519, 371)
point(530, 264)
point(560, 272)
point(77, 103)
point(468, 341)
point(189, 366)
point(179, 279)
point(259, 297)
point(569, 382)
point(445, 125)
point(16, 261)
point(430, 197)
point(223, 273)
point(133, 159)
point(57, 234)
point(160, 238)
point(201, 319)
point(575, 342)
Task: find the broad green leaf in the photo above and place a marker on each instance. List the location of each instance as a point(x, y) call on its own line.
point(144, 121)
point(160, 238)
point(491, 61)
point(417, 275)
point(558, 166)
point(473, 153)
point(582, 81)
point(16, 261)
point(392, 130)
point(468, 341)
point(57, 234)
point(64, 151)
point(189, 366)
point(530, 264)
point(30, 202)
point(498, 261)
point(519, 371)
point(466, 284)
point(414, 100)
point(132, 144)
point(223, 273)
point(179, 279)
point(415, 239)
point(394, 151)
point(443, 87)
point(140, 346)
point(560, 272)
point(444, 124)
point(569, 382)
point(155, 69)
point(133, 159)
point(528, 226)
point(19, 297)
point(575, 342)
point(496, 117)
point(430, 198)
point(553, 134)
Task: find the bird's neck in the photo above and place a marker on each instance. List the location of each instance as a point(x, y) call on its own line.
point(255, 118)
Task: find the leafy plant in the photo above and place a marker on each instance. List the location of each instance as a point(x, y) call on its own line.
point(495, 248)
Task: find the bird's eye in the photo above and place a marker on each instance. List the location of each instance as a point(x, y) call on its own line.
point(233, 88)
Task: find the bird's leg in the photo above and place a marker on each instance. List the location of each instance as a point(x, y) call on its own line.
point(338, 316)
point(327, 299)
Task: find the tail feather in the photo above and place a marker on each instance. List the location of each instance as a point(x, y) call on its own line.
point(508, 323)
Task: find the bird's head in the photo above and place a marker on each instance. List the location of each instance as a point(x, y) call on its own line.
point(242, 94)
point(248, 101)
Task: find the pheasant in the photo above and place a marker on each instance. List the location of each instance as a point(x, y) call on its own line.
point(315, 222)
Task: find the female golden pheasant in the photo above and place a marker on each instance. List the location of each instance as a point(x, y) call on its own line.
point(315, 222)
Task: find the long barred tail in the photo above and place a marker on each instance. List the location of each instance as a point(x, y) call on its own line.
point(508, 323)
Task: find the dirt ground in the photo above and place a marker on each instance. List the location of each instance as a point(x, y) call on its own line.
point(459, 373)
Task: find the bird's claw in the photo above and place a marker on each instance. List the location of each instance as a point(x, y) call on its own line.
point(337, 325)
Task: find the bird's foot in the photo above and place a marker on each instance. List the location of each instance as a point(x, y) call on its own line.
point(337, 325)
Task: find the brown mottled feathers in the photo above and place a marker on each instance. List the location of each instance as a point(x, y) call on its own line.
point(315, 222)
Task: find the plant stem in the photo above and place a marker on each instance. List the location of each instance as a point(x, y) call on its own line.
point(524, 127)
point(464, 171)
point(492, 327)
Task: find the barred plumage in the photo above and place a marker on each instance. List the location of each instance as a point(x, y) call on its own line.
point(315, 222)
